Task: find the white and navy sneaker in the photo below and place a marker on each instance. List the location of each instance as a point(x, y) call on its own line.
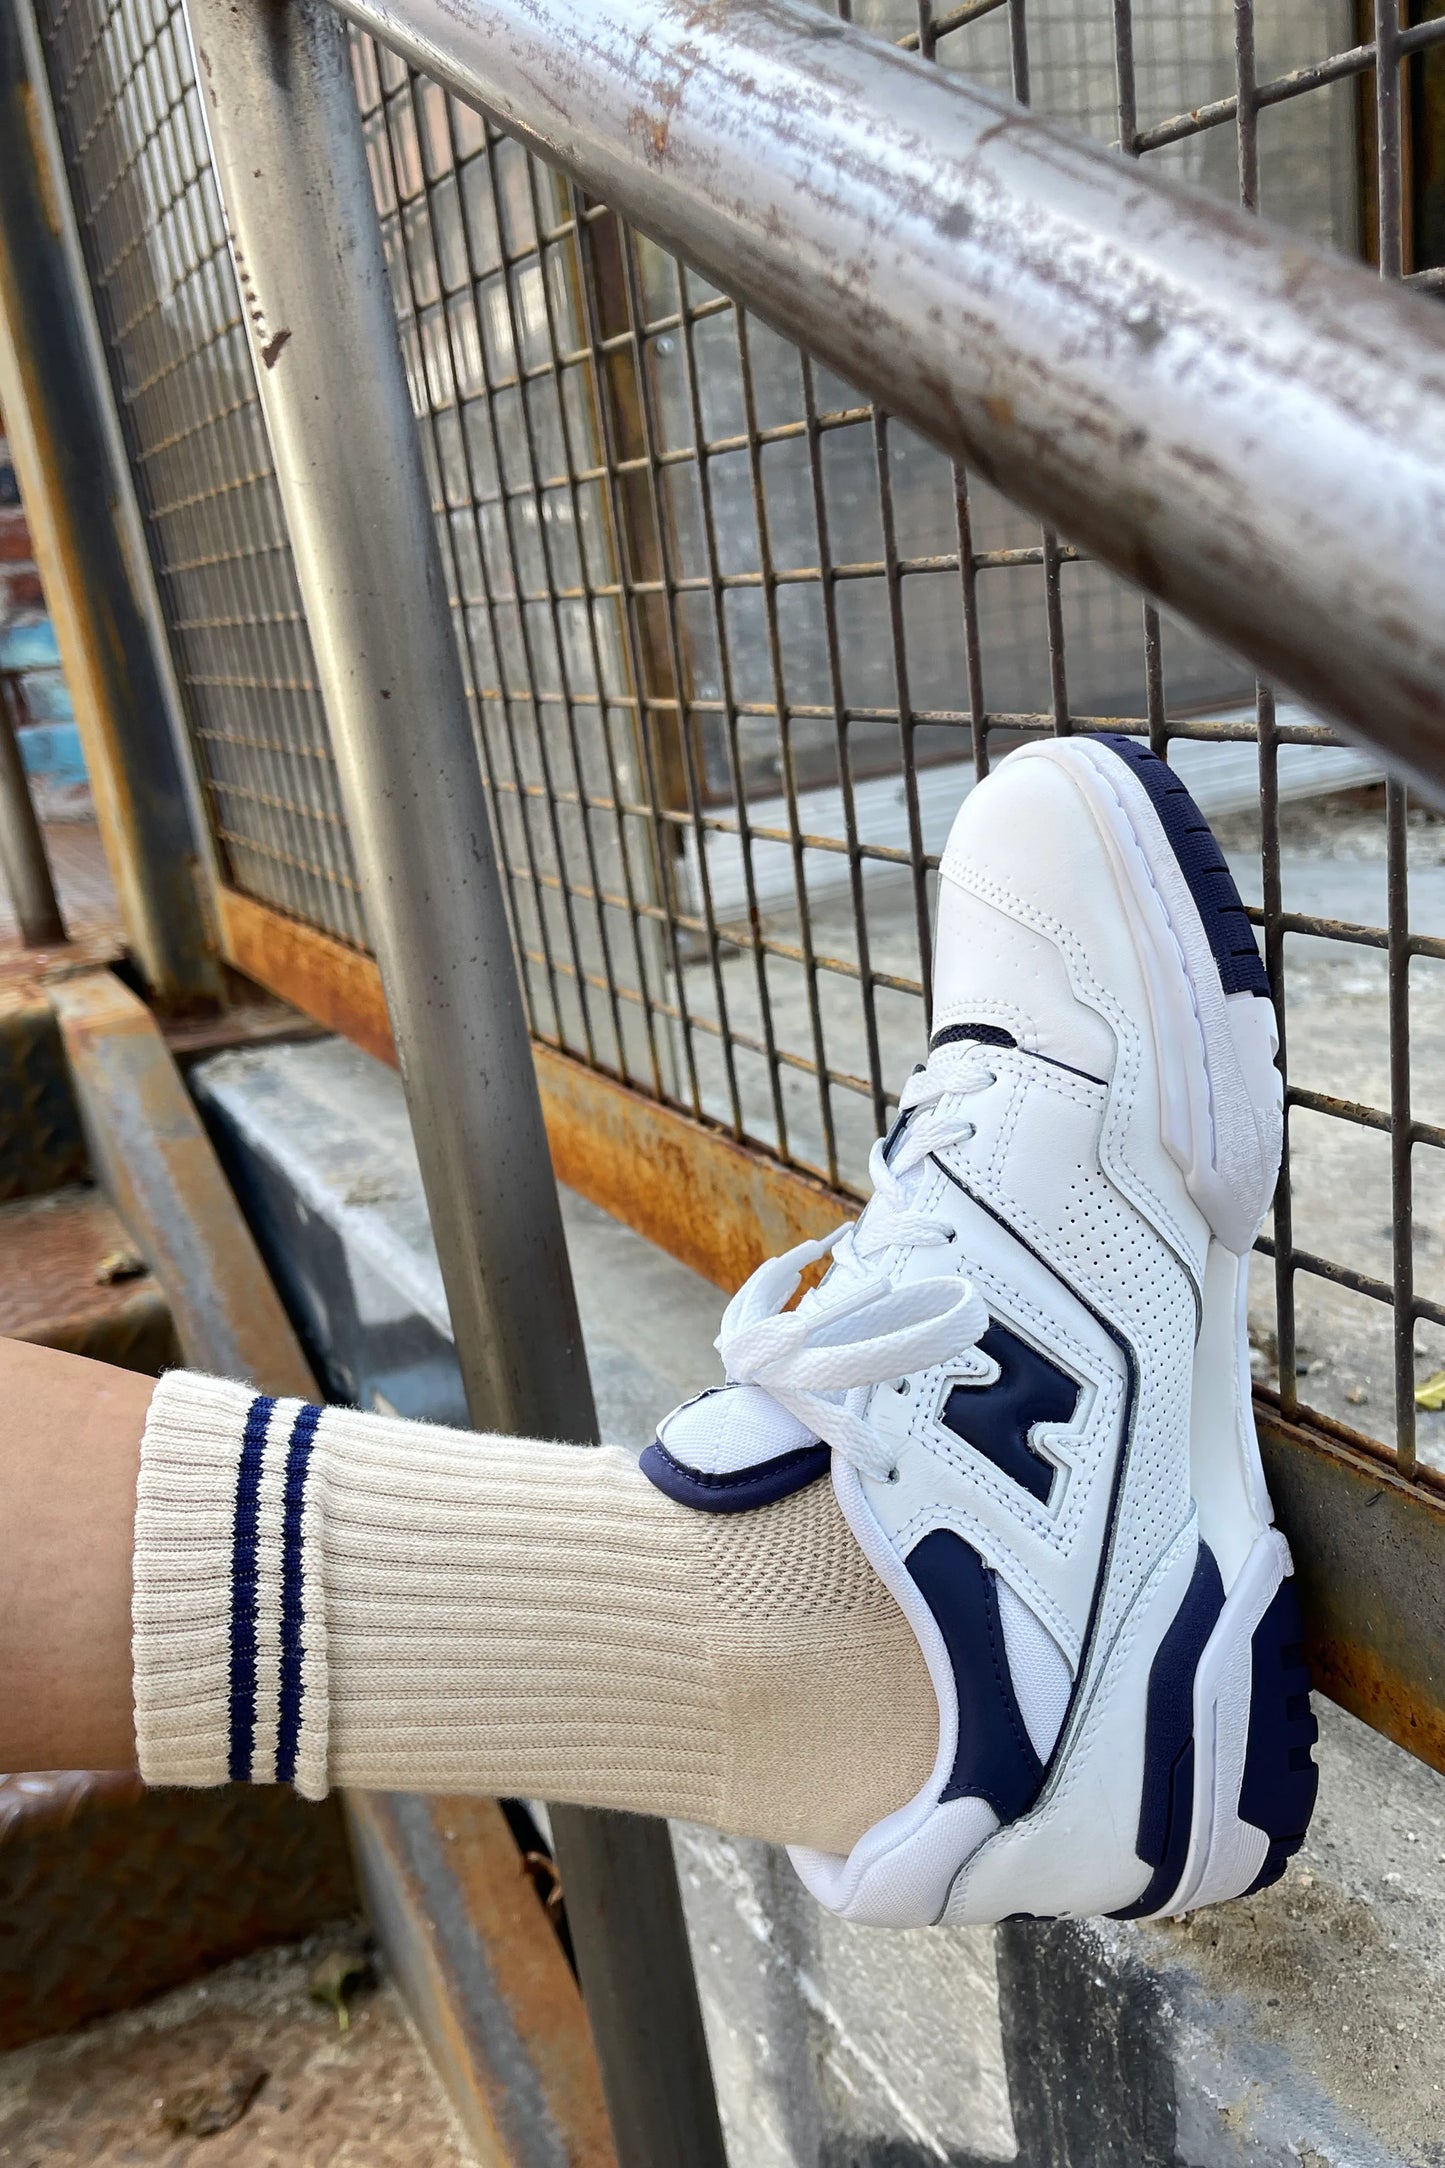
point(1026, 1371)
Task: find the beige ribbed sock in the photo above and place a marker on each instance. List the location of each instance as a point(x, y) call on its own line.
point(339, 1598)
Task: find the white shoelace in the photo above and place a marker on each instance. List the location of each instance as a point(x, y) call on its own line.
point(861, 1330)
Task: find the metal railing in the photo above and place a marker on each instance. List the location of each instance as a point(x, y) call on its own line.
point(736, 638)
point(732, 639)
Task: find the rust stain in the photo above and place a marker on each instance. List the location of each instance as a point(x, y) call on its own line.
point(165, 1181)
point(484, 1883)
point(335, 985)
point(530, 1973)
point(648, 1165)
point(999, 409)
point(1360, 1680)
point(718, 1206)
point(652, 117)
point(44, 170)
point(271, 350)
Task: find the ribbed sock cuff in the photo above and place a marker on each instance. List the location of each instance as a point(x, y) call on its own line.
point(329, 1597)
point(229, 1622)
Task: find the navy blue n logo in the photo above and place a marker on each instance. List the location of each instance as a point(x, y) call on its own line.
point(996, 1419)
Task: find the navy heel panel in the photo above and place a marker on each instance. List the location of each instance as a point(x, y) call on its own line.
point(1280, 1777)
point(1166, 1807)
point(1202, 862)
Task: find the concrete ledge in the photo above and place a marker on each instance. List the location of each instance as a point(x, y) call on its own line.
point(1297, 2027)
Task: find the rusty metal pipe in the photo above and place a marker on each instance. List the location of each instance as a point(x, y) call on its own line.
point(1249, 427)
point(291, 163)
point(22, 846)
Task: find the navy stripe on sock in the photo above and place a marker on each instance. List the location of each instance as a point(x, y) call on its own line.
point(293, 1615)
point(243, 1590)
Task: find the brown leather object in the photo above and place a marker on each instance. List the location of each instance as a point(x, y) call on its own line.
point(110, 1893)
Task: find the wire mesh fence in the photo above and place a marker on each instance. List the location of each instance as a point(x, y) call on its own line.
point(130, 117)
point(737, 643)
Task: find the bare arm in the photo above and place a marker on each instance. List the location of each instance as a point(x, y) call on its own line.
point(69, 1456)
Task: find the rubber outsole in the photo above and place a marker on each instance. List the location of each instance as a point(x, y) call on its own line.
point(1280, 1783)
point(1166, 1808)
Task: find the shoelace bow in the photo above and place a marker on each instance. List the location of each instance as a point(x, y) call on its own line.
point(861, 1330)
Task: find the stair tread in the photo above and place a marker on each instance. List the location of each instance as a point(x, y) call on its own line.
point(42, 1146)
point(59, 1285)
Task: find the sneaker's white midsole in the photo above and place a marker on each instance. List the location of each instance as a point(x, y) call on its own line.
point(1225, 1853)
point(1236, 1520)
point(1075, 1850)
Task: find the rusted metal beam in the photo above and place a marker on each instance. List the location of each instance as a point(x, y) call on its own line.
point(1249, 427)
point(1369, 1550)
point(336, 985)
point(77, 497)
point(482, 1972)
point(149, 1148)
point(716, 1205)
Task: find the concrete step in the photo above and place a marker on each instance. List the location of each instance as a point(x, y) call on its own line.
point(41, 1144)
point(71, 1278)
point(111, 1894)
point(244, 2068)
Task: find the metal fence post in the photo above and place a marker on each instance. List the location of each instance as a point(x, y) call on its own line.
point(22, 846)
point(290, 160)
point(76, 495)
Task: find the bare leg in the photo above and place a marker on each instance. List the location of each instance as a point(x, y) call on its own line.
point(468, 1614)
point(67, 1511)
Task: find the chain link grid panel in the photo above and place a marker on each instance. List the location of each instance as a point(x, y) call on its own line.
point(737, 642)
point(481, 247)
point(154, 238)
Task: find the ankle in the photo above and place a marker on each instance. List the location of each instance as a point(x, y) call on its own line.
point(830, 1715)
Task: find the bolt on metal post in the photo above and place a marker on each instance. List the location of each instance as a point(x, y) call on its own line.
point(289, 156)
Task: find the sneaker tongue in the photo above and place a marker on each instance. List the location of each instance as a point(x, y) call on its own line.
point(730, 1429)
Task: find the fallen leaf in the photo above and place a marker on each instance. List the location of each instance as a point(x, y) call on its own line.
point(334, 1979)
point(1432, 1393)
